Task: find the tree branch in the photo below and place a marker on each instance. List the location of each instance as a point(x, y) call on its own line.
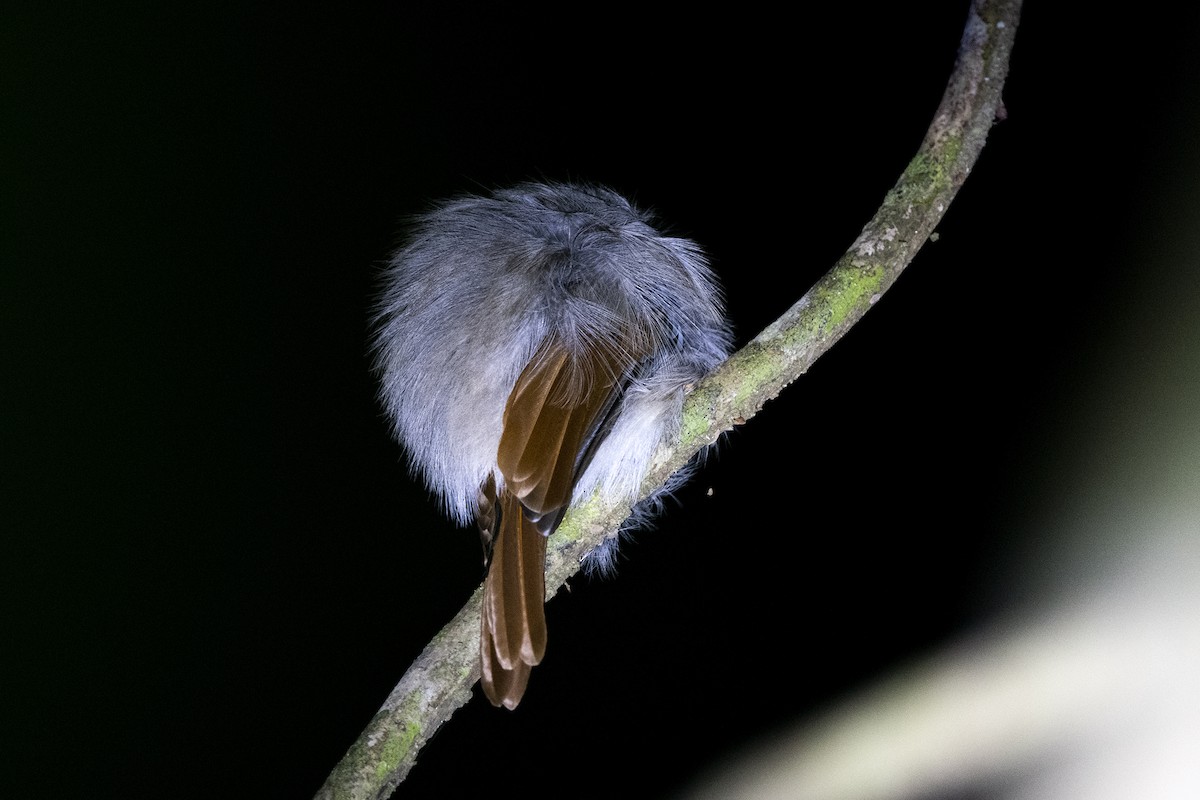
point(440, 680)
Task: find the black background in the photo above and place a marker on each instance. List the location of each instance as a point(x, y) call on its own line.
point(215, 565)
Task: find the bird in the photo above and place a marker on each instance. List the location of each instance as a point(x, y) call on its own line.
point(533, 346)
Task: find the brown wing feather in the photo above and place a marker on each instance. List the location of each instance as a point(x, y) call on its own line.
point(555, 408)
point(557, 403)
point(487, 518)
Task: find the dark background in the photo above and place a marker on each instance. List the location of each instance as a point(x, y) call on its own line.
point(215, 566)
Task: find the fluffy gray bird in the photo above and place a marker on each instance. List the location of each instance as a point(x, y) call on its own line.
point(534, 346)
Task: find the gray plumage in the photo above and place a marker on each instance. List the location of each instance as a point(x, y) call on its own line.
point(489, 290)
point(483, 280)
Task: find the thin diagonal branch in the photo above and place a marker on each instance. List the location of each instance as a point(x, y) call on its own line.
point(440, 680)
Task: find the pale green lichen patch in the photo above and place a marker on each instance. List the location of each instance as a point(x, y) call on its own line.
point(396, 746)
point(926, 176)
point(374, 758)
point(852, 292)
point(841, 297)
point(577, 524)
point(696, 421)
point(759, 370)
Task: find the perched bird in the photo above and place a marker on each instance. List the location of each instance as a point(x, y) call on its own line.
point(534, 346)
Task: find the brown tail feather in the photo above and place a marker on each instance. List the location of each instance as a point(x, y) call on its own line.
point(513, 635)
point(559, 403)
